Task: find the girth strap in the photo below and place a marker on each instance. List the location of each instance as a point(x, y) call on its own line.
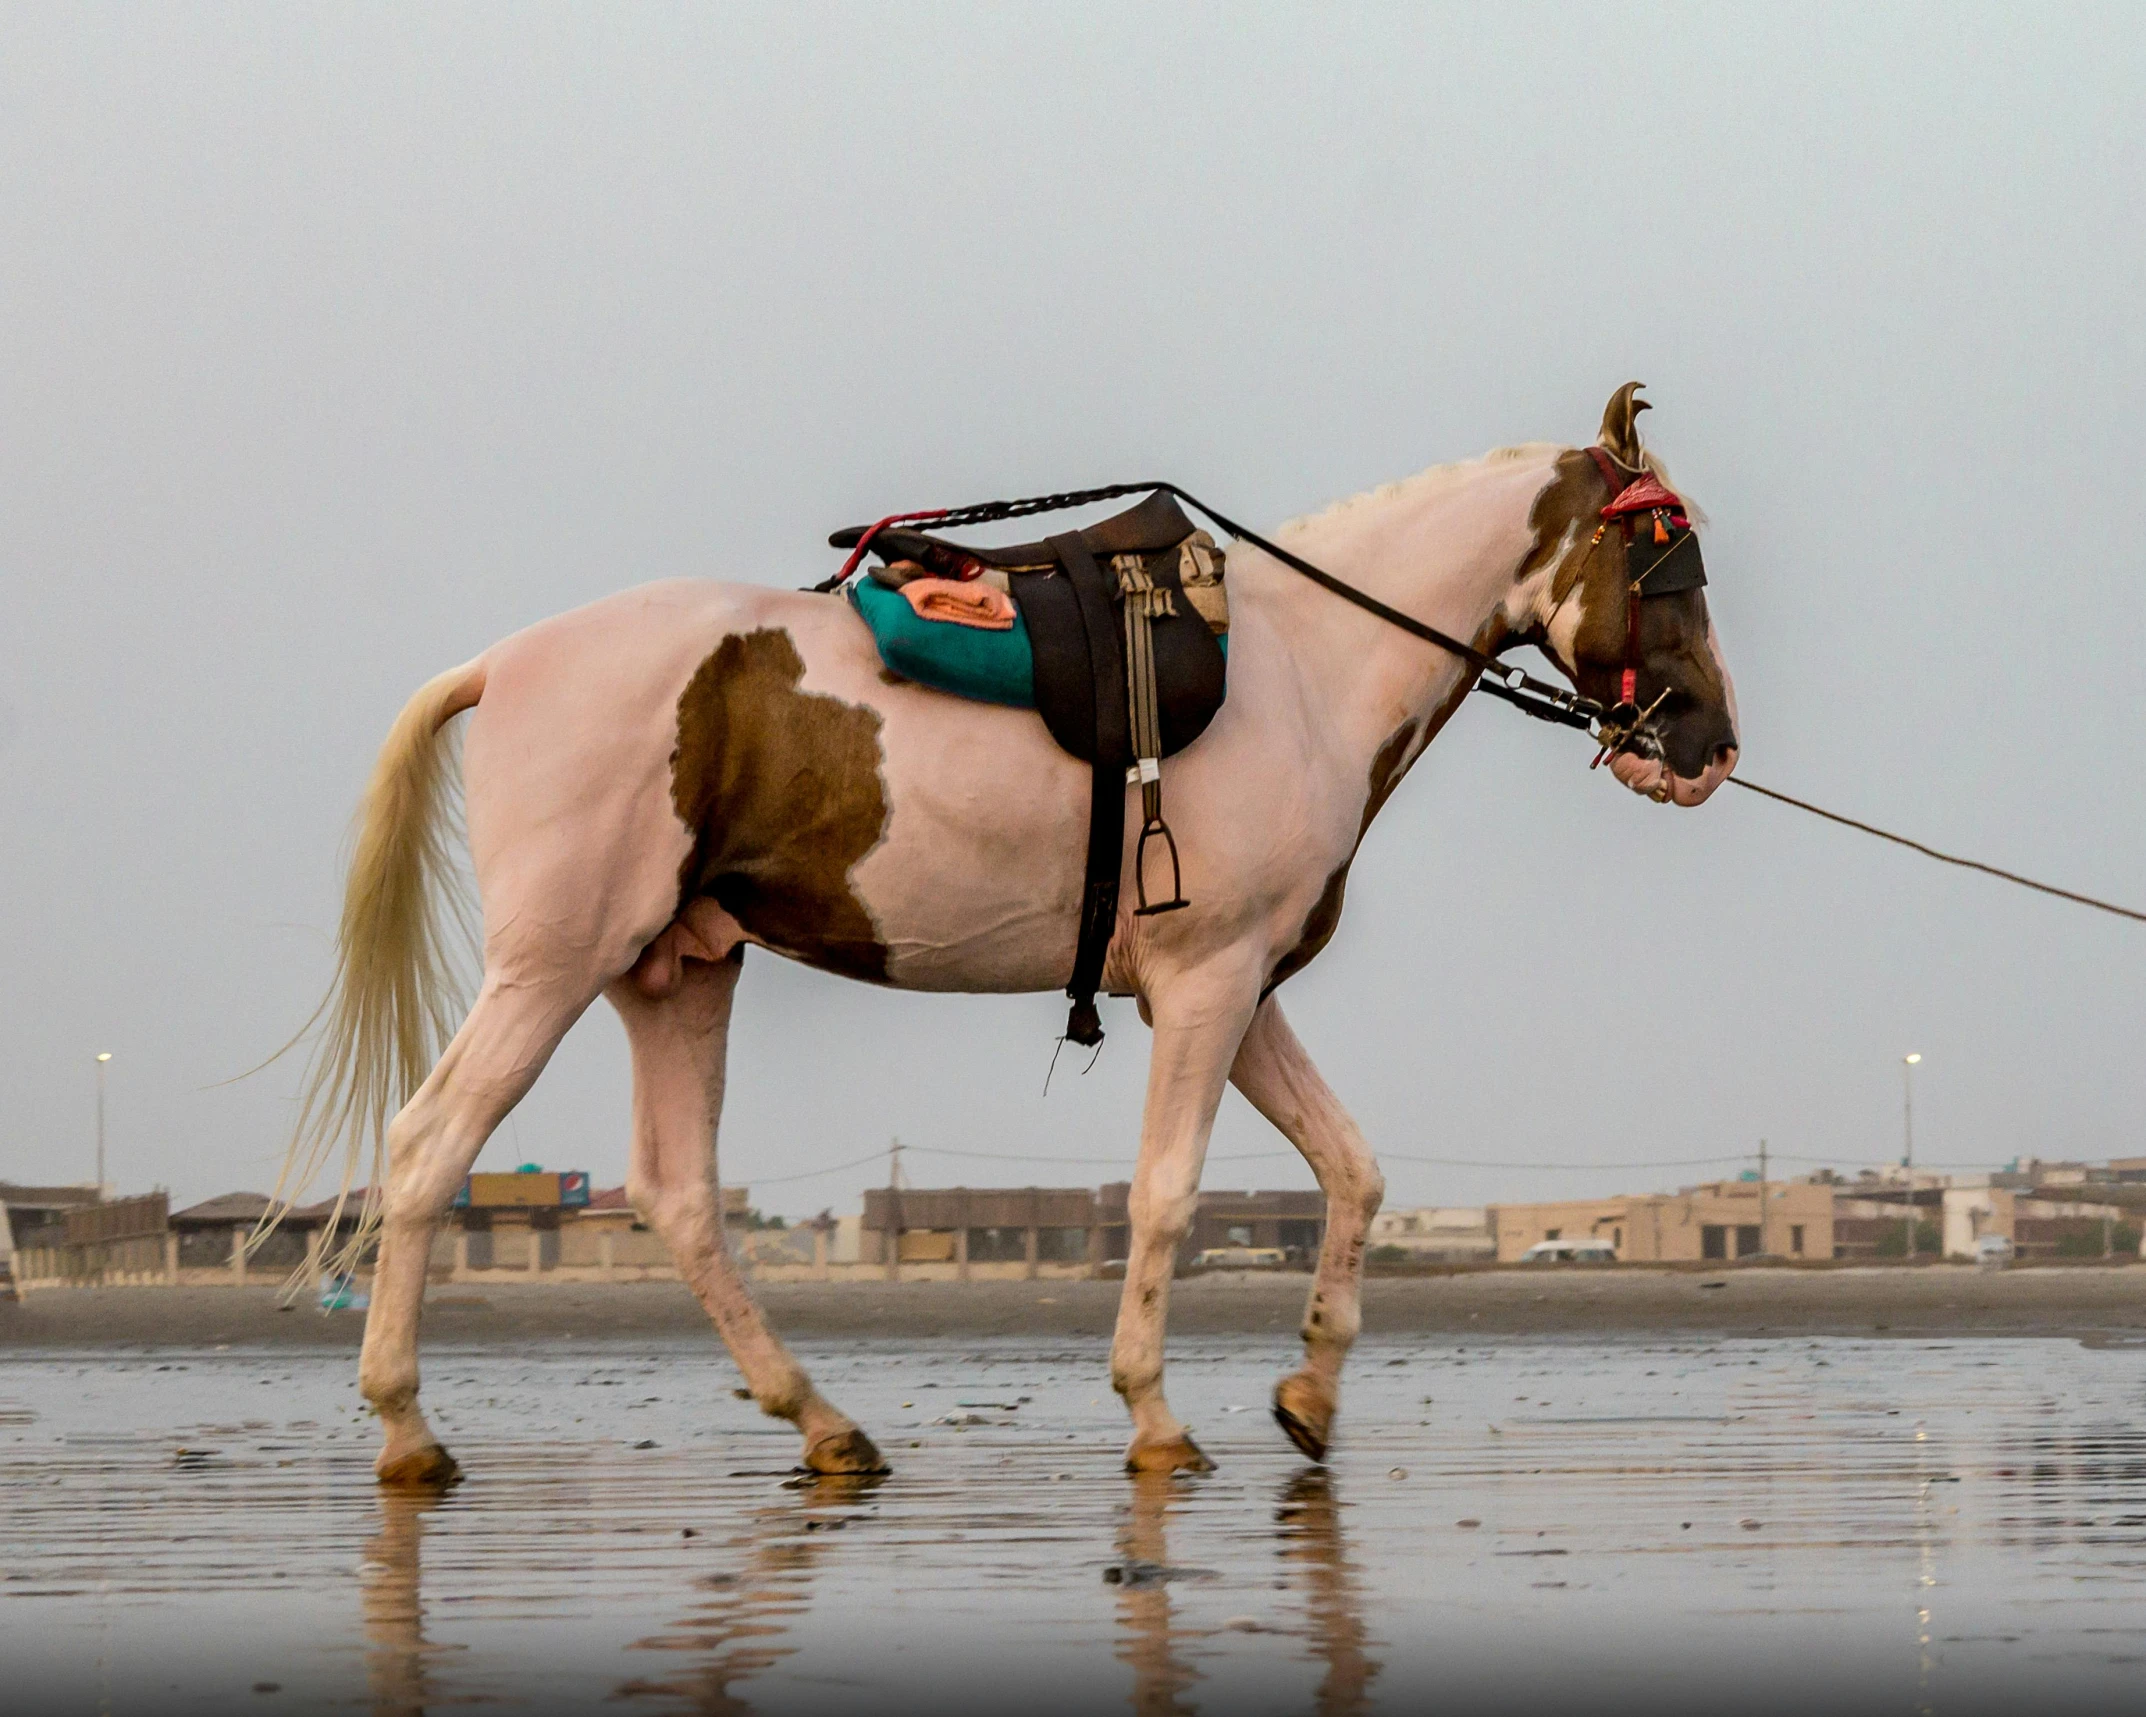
point(1106, 802)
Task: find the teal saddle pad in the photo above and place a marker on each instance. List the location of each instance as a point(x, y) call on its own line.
point(991, 667)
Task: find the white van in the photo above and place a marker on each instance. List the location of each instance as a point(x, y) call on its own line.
point(1994, 1251)
point(1588, 1251)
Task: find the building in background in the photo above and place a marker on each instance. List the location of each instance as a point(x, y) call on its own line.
point(965, 1233)
point(1719, 1220)
point(37, 1215)
point(510, 1220)
point(212, 1235)
point(1295, 1222)
point(2046, 1220)
point(1433, 1234)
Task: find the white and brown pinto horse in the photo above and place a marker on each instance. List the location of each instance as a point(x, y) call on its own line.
point(661, 778)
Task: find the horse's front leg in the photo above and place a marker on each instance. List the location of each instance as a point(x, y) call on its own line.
point(1199, 1019)
point(1278, 1078)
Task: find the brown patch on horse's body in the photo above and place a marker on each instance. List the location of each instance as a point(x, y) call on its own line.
point(782, 791)
point(1395, 755)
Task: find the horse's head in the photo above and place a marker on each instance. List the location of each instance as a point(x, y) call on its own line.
point(1621, 609)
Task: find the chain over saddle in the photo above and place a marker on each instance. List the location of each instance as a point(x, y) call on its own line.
point(1124, 619)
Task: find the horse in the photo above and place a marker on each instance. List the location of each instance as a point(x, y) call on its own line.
point(654, 782)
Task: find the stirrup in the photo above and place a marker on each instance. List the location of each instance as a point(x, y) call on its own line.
point(1156, 826)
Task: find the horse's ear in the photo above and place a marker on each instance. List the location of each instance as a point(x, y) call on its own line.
point(1620, 424)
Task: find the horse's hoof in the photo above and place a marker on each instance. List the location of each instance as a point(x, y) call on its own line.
point(427, 1467)
point(1179, 1455)
point(848, 1452)
point(1305, 1415)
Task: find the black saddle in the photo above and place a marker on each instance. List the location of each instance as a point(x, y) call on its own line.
point(1156, 524)
point(1127, 673)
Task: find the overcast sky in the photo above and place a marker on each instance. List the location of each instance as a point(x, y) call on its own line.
point(336, 343)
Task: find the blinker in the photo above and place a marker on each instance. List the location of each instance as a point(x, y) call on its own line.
point(1663, 559)
point(1670, 562)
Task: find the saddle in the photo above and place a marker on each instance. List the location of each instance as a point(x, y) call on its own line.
point(1124, 620)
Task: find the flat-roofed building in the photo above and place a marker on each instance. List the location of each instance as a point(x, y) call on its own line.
point(1291, 1221)
point(965, 1233)
point(1435, 1234)
point(1719, 1220)
point(2053, 1219)
point(37, 1215)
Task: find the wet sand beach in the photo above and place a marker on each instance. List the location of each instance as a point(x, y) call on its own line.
point(1587, 1489)
point(1667, 1524)
point(2093, 1303)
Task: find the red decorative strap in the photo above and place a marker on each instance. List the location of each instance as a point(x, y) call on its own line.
point(864, 542)
point(1644, 494)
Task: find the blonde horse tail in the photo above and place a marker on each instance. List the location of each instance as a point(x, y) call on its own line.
point(396, 997)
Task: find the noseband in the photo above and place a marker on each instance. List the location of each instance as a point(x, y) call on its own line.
point(1661, 558)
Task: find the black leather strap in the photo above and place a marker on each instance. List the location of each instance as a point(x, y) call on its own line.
point(1106, 800)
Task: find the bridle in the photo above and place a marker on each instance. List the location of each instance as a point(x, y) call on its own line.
point(1636, 495)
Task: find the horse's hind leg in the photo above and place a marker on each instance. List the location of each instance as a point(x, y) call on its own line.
point(679, 1040)
point(488, 1068)
point(1278, 1078)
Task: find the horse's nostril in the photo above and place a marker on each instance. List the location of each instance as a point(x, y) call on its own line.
point(1725, 752)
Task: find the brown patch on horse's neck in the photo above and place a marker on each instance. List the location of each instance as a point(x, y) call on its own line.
point(1389, 764)
point(782, 792)
point(1400, 749)
point(1574, 497)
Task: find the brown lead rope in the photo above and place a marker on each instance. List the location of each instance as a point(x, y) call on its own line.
point(1932, 852)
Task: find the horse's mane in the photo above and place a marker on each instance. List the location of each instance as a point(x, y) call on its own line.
point(1454, 471)
point(1451, 472)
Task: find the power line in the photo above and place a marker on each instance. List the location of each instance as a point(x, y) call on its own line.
point(1589, 1168)
point(988, 1156)
point(813, 1174)
point(1009, 1157)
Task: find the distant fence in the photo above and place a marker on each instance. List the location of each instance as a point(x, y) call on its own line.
point(144, 1217)
point(139, 1261)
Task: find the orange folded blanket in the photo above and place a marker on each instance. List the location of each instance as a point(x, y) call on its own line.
point(964, 604)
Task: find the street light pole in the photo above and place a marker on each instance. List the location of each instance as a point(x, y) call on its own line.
point(1762, 1198)
point(103, 1057)
point(1907, 1127)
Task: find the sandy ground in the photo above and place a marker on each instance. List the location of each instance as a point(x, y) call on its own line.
point(2098, 1305)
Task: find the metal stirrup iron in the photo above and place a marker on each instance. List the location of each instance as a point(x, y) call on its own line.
point(1144, 603)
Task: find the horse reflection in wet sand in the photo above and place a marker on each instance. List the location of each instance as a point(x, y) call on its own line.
point(739, 1623)
point(735, 1630)
point(662, 778)
point(1160, 1651)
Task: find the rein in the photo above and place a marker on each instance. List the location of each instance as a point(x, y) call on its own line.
point(1538, 698)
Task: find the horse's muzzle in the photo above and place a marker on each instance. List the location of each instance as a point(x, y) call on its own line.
point(1653, 778)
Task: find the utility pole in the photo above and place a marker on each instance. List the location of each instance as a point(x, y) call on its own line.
point(1907, 1128)
point(894, 1210)
point(103, 1058)
point(1762, 1198)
